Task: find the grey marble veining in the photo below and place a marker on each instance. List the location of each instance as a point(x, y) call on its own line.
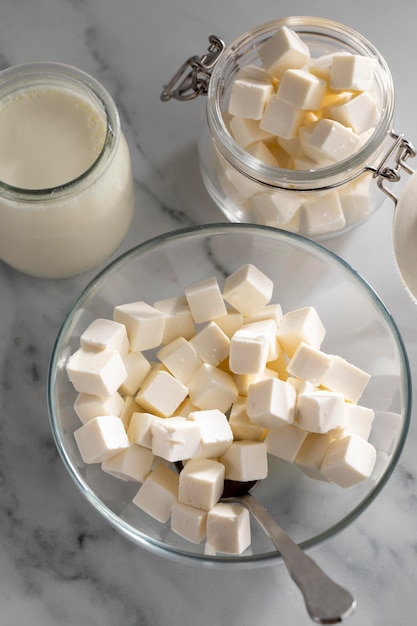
point(60, 563)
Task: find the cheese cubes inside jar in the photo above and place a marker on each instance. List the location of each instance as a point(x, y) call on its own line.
point(294, 111)
point(217, 379)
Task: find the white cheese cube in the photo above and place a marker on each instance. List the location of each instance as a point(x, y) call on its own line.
point(215, 433)
point(309, 364)
point(301, 89)
point(321, 411)
point(201, 483)
point(253, 72)
point(242, 426)
point(299, 325)
point(175, 438)
point(133, 464)
point(88, 406)
point(189, 522)
point(266, 312)
point(100, 438)
point(359, 420)
point(359, 113)
point(178, 319)
point(211, 388)
point(285, 442)
point(385, 429)
point(98, 372)
point(352, 71)
point(281, 118)
point(356, 200)
point(246, 132)
point(161, 393)
point(263, 153)
point(345, 378)
point(311, 454)
point(248, 97)
point(277, 210)
point(243, 381)
point(130, 406)
point(248, 289)
point(268, 328)
point(237, 185)
point(348, 461)
point(285, 49)
point(144, 324)
point(211, 344)
point(228, 528)
point(324, 60)
point(230, 323)
point(248, 352)
point(271, 403)
point(105, 334)
point(331, 140)
point(137, 369)
point(205, 300)
point(140, 428)
point(245, 460)
point(322, 214)
point(180, 358)
point(321, 72)
point(158, 493)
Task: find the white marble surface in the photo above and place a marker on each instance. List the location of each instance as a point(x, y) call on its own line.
point(60, 564)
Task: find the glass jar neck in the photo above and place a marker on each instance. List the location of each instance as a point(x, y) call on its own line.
point(60, 76)
point(320, 34)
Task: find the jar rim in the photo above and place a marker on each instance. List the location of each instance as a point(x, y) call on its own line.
point(17, 77)
point(321, 178)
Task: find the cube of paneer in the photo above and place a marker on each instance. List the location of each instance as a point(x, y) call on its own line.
point(158, 493)
point(245, 461)
point(201, 483)
point(228, 528)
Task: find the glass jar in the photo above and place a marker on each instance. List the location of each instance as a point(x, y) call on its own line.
point(317, 203)
point(71, 224)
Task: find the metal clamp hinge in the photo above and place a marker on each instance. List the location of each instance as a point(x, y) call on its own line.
point(400, 152)
point(193, 77)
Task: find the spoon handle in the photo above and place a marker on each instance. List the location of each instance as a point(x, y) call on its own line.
point(326, 601)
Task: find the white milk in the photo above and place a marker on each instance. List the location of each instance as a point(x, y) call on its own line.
point(49, 136)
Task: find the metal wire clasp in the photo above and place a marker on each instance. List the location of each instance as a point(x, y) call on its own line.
point(193, 77)
point(400, 151)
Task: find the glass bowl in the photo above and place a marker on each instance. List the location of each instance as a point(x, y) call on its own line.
point(359, 329)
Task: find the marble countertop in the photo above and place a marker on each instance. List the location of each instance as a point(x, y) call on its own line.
point(60, 563)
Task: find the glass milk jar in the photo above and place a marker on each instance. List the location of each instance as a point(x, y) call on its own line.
point(255, 175)
point(66, 188)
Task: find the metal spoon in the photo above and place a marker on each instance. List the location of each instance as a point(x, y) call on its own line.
point(326, 601)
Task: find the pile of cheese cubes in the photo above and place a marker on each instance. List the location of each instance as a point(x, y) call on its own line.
point(301, 112)
point(297, 112)
point(232, 380)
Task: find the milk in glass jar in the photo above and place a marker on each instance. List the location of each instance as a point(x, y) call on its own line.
point(66, 188)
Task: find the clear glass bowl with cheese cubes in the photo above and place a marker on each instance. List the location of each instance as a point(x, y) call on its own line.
point(300, 115)
point(228, 352)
